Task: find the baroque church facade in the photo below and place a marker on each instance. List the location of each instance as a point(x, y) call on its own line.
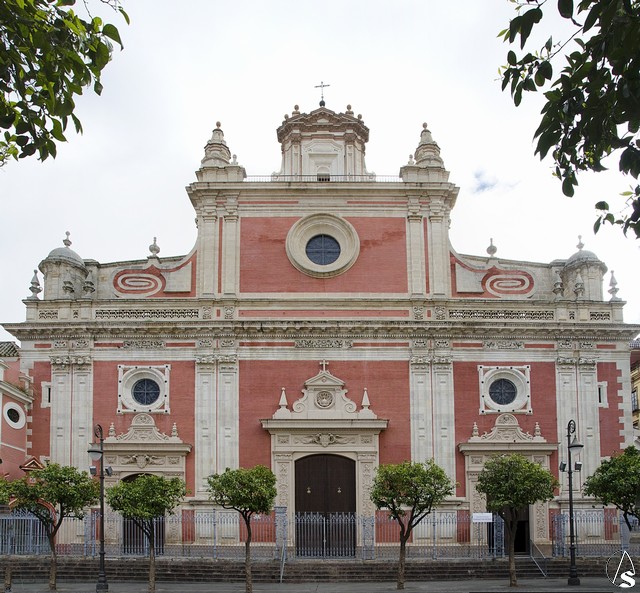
point(322, 324)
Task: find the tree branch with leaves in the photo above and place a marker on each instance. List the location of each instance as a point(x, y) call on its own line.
point(52, 494)
point(143, 500)
point(48, 55)
point(248, 491)
point(511, 483)
point(409, 491)
point(617, 482)
point(592, 108)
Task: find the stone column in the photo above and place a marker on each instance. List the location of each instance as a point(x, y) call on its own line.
point(415, 248)
point(60, 423)
point(230, 247)
point(421, 402)
point(228, 421)
point(444, 438)
point(208, 255)
point(205, 422)
point(438, 241)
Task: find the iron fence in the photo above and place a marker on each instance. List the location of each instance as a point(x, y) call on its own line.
point(598, 532)
point(222, 534)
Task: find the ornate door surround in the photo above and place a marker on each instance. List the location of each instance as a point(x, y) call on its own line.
point(324, 421)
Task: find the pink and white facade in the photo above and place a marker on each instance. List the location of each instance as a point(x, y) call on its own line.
point(324, 312)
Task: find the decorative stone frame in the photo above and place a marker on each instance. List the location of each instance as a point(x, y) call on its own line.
point(128, 376)
point(322, 224)
point(507, 437)
point(144, 449)
point(22, 417)
point(518, 375)
point(324, 420)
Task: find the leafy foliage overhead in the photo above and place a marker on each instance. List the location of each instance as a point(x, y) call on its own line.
point(146, 497)
point(617, 482)
point(592, 107)
point(246, 490)
point(410, 489)
point(48, 55)
point(514, 482)
point(63, 489)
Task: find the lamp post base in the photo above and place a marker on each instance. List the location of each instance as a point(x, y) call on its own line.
point(573, 581)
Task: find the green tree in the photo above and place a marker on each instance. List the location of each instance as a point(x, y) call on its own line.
point(248, 491)
point(143, 500)
point(409, 491)
point(617, 482)
point(510, 483)
point(48, 55)
point(592, 108)
point(52, 494)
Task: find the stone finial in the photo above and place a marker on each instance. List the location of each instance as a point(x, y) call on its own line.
point(154, 249)
point(67, 286)
point(112, 430)
point(88, 286)
point(428, 152)
point(536, 430)
point(365, 400)
point(613, 288)
point(474, 431)
point(492, 249)
point(174, 430)
point(35, 287)
point(558, 285)
point(349, 111)
point(580, 244)
point(216, 151)
point(66, 241)
point(578, 288)
point(283, 404)
point(296, 110)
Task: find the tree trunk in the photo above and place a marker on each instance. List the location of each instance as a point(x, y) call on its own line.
point(53, 566)
point(402, 560)
point(512, 527)
point(152, 557)
point(247, 558)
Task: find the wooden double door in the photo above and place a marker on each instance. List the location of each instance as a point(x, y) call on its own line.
point(325, 506)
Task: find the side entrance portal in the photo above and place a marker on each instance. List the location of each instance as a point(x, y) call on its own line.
point(325, 504)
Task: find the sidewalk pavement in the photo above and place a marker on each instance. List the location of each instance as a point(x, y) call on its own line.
point(538, 585)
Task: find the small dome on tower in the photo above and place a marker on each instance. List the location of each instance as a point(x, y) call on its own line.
point(65, 254)
point(582, 255)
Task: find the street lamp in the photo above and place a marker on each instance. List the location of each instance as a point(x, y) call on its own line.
point(571, 445)
point(96, 452)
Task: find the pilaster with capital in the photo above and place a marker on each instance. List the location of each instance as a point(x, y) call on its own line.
point(438, 242)
point(415, 247)
point(421, 406)
point(230, 246)
point(228, 421)
point(71, 408)
point(208, 256)
point(205, 421)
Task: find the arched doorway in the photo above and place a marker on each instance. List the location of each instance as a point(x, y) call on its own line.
point(325, 506)
point(134, 541)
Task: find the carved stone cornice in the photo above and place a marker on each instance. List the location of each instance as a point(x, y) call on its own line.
point(64, 361)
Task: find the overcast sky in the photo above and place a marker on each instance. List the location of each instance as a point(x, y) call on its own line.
point(186, 65)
